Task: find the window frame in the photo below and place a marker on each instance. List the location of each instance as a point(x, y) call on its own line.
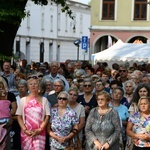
point(140, 4)
point(108, 4)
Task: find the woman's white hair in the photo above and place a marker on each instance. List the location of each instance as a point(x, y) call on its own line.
point(65, 93)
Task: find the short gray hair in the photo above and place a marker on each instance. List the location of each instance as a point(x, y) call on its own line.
point(65, 93)
point(60, 81)
point(101, 80)
point(55, 62)
point(48, 80)
point(22, 82)
point(88, 80)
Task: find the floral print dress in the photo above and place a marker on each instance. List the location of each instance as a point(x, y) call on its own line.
point(61, 126)
point(140, 125)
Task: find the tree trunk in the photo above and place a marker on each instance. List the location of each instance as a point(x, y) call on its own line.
point(11, 14)
point(7, 36)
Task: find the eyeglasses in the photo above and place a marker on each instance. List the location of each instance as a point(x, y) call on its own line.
point(57, 85)
point(54, 65)
point(40, 76)
point(72, 94)
point(122, 70)
point(62, 98)
point(99, 84)
point(32, 77)
point(87, 85)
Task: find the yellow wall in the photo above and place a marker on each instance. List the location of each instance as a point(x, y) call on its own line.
point(123, 15)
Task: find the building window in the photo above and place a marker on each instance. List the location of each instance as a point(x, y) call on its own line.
point(108, 10)
point(81, 23)
point(18, 46)
point(28, 20)
point(51, 23)
point(66, 24)
point(140, 9)
point(58, 21)
point(42, 22)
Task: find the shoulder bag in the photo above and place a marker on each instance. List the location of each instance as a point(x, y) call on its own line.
point(74, 143)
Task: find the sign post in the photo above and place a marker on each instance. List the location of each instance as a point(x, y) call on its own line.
point(84, 42)
point(77, 43)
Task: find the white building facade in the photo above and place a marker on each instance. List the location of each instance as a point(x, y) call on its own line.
point(47, 34)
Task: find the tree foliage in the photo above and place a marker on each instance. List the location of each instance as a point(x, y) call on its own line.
point(11, 14)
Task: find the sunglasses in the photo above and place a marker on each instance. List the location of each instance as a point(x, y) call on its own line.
point(40, 76)
point(32, 77)
point(62, 98)
point(87, 85)
point(122, 70)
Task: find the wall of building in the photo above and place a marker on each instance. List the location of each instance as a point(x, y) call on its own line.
point(123, 14)
point(122, 27)
point(48, 25)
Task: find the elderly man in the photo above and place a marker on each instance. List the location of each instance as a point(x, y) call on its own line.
point(57, 87)
point(129, 87)
point(146, 79)
point(54, 67)
point(9, 76)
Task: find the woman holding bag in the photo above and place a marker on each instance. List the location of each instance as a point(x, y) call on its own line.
point(63, 123)
point(103, 125)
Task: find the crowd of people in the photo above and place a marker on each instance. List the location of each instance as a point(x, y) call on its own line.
point(47, 104)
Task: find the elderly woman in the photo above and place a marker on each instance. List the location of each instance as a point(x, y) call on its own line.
point(88, 99)
point(23, 91)
point(11, 97)
point(63, 123)
point(78, 108)
point(5, 116)
point(33, 115)
point(138, 125)
point(100, 85)
point(103, 125)
point(142, 89)
point(58, 87)
point(122, 110)
point(129, 87)
point(48, 83)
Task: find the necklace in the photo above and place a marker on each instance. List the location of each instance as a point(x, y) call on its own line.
point(103, 112)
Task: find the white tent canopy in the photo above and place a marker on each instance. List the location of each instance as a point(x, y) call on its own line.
point(124, 52)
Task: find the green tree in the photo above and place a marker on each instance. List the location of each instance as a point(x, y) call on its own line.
point(11, 14)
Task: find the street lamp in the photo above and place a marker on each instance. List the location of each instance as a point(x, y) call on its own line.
point(77, 43)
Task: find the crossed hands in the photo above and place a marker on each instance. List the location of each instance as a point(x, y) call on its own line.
point(62, 139)
point(33, 133)
point(99, 146)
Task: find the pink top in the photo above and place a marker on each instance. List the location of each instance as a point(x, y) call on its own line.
point(4, 109)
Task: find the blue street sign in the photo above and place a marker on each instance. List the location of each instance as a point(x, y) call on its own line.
point(84, 42)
